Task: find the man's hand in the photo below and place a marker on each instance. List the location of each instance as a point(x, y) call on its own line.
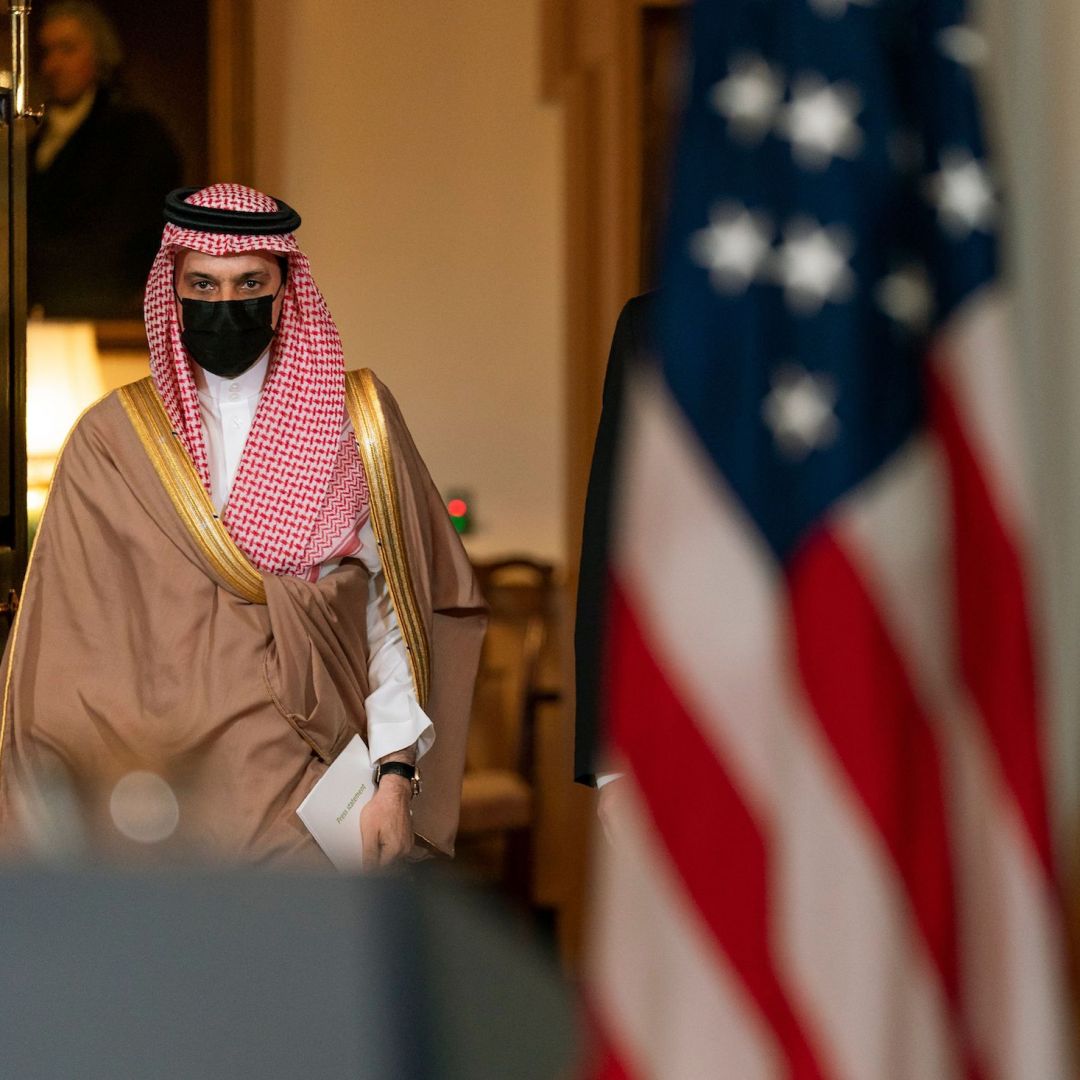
point(610, 807)
point(386, 823)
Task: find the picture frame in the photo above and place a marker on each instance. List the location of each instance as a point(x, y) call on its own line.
point(193, 68)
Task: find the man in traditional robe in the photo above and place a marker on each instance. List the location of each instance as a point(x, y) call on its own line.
point(242, 563)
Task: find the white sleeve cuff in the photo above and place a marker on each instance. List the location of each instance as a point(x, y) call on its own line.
point(396, 723)
point(606, 778)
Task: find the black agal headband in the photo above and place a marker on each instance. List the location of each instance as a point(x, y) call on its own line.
point(236, 222)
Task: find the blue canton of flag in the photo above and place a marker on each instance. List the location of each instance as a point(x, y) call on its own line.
point(834, 202)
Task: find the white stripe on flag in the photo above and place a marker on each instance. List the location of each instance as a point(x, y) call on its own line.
point(1012, 948)
point(711, 601)
point(667, 997)
point(974, 355)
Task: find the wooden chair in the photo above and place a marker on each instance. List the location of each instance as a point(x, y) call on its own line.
point(499, 795)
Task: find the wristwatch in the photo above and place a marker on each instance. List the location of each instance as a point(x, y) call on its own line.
point(399, 768)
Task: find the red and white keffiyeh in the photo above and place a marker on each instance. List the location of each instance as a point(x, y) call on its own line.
point(300, 495)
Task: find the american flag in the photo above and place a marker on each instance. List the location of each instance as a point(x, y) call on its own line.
point(834, 858)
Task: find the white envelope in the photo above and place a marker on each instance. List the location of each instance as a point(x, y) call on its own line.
point(332, 808)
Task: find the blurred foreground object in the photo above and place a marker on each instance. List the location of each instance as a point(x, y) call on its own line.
point(266, 976)
point(834, 857)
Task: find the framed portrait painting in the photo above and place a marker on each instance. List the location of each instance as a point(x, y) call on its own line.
point(140, 98)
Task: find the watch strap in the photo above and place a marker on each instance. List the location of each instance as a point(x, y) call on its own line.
point(399, 768)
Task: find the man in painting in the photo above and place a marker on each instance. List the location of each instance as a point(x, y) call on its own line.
point(99, 169)
point(243, 563)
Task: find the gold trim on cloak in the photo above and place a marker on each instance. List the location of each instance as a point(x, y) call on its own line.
point(188, 495)
point(373, 441)
point(185, 488)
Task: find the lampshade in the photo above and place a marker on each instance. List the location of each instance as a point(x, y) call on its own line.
point(63, 378)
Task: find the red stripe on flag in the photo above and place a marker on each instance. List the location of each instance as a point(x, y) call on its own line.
point(995, 647)
point(602, 1060)
point(608, 1067)
point(711, 838)
point(867, 708)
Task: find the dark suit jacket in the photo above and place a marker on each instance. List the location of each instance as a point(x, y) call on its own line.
point(631, 340)
point(94, 215)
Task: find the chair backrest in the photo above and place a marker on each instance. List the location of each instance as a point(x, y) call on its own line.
point(519, 592)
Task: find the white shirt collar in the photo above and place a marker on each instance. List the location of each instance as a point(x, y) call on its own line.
point(244, 387)
point(67, 118)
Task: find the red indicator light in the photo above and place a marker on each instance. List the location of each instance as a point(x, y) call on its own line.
point(457, 507)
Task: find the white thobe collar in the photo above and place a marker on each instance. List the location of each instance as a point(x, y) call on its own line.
point(216, 388)
point(227, 408)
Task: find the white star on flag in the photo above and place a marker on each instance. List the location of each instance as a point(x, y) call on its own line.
point(964, 44)
point(799, 411)
point(907, 297)
point(733, 247)
point(834, 9)
point(820, 121)
point(963, 194)
point(749, 96)
point(812, 265)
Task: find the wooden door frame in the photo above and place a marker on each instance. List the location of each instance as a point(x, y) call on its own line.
point(592, 65)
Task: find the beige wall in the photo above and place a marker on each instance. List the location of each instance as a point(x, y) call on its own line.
point(411, 137)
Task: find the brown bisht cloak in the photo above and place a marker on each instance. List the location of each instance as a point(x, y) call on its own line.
point(146, 640)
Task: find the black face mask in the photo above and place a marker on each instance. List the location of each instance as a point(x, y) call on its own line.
point(227, 336)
